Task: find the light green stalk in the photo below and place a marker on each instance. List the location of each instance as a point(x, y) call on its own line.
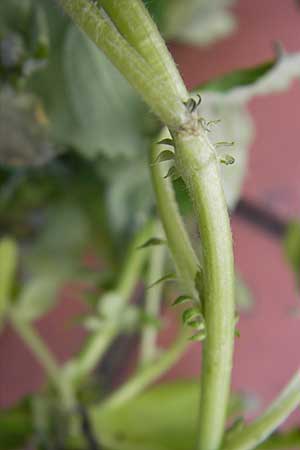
point(47, 360)
point(153, 295)
point(197, 163)
point(153, 86)
point(147, 375)
point(255, 433)
point(134, 22)
point(179, 244)
point(98, 342)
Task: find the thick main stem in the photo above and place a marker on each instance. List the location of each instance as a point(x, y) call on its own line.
point(198, 166)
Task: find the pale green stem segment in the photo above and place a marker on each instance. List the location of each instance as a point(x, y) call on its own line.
point(184, 257)
point(147, 375)
point(255, 433)
point(152, 86)
point(8, 266)
point(153, 296)
point(197, 164)
point(32, 339)
point(134, 22)
point(282, 441)
point(98, 343)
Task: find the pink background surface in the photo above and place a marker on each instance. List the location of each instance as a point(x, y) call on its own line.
point(268, 351)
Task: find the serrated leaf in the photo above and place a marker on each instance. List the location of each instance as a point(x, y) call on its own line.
point(8, 266)
point(181, 299)
point(168, 277)
point(91, 100)
point(166, 155)
point(151, 242)
point(158, 419)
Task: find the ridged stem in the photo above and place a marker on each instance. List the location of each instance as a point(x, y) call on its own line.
point(153, 86)
point(197, 164)
point(255, 433)
point(132, 19)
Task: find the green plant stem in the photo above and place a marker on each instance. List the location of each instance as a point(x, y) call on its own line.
point(152, 301)
point(134, 22)
point(147, 375)
point(184, 257)
point(255, 433)
point(98, 342)
point(282, 441)
point(152, 86)
point(34, 342)
point(197, 164)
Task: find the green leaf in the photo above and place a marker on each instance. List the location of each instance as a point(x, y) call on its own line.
point(151, 242)
point(242, 77)
point(172, 173)
point(243, 296)
point(161, 418)
point(225, 99)
point(166, 141)
point(24, 132)
point(181, 299)
point(228, 160)
point(291, 247)
point(8, 266)
point(192, 317)
point(16, 426)
point(166, 155)
point(37, 297)
point(198, 21)
point(200, 336)
point(168, 277)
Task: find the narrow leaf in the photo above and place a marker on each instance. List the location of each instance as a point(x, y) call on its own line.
point(166, 141)
point(228, 160)
point(189, 315)
point(152, 241)
point(181, 299)
point(172, 173)
point(200, 336)
point(8, 263)
point(167, 277)
point(166, 155)
point(224, 144)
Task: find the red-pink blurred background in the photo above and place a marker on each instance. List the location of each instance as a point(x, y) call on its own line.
point(268, 351)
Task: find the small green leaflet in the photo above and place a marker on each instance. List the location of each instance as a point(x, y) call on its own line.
point(181, 299)
point(8, 265)
point(227, 160)
point(151, 242)
point(166, 141)
point(172, 173)
point(200, 336)
point(166, 155)
point(291, 247)
point(168, 277)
